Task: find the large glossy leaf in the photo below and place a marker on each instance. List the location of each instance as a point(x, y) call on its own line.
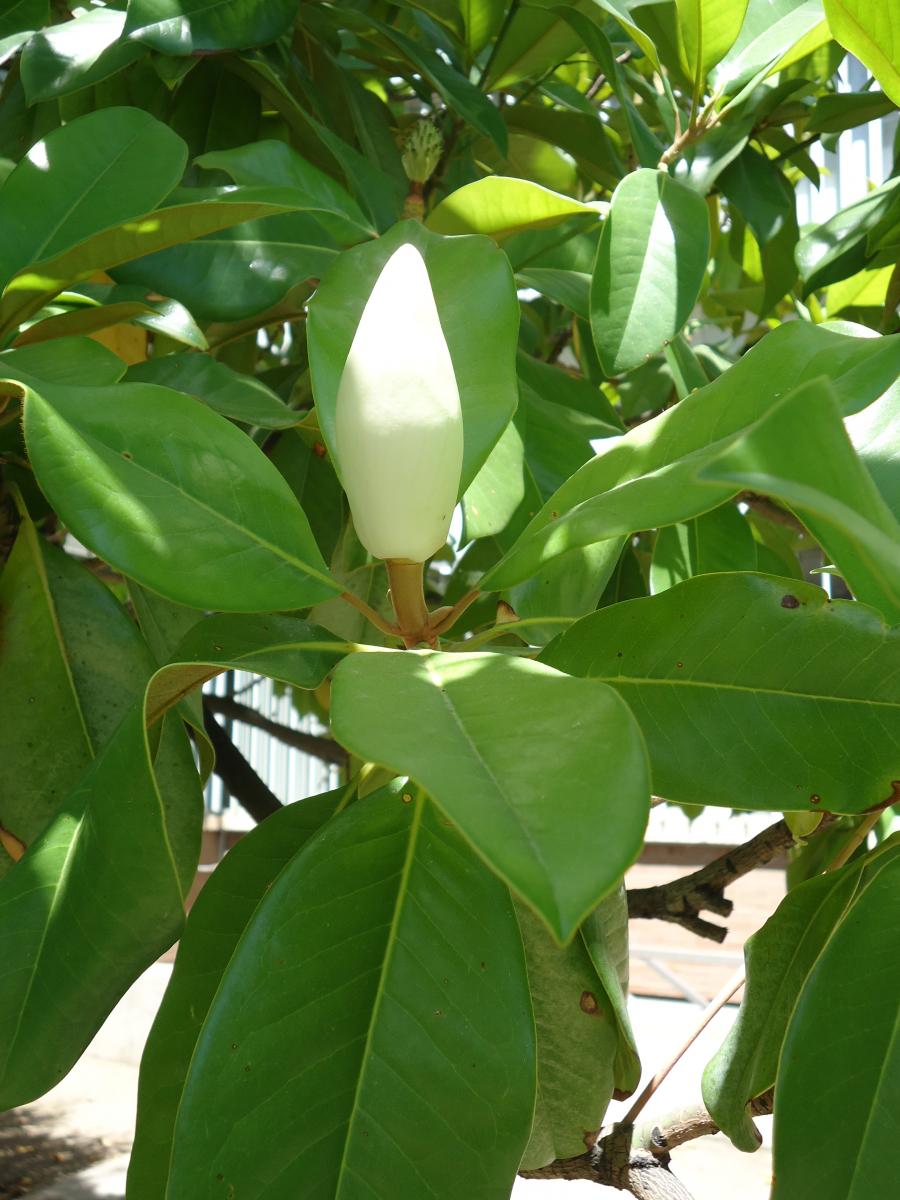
point(75, 54)
point(650, 477)
point(191, 26)
point(240, 271)
point(275, 164)
point(280, 647)
point(838, 1096)
point(147, 238)
point(577, 1040)
point(872, 33)
point(875, 434)
point(752, 692)
point(500, 207)
point(72, 648)
point(837, 248)
point(707, 29)
point(475, 294)
point(95, 900)
point(758, 190)
point(174, 496)
point(720, 540)
point(75, 360)
point(605, 934)
point(779, 960)
point(471, 729)
point(58, 195)
point(212, 938)
point(650, 264)
point(771, 31)
point(241, 397)
point(800, 453)
point(377, 1003)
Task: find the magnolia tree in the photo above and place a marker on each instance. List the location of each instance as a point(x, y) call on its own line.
point(284, 287)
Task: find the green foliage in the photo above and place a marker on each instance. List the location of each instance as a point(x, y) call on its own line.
point(416, 984)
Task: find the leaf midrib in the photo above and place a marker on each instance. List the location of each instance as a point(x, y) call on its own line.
point(615, 680)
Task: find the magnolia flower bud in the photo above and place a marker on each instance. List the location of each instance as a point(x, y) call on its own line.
point(399, 432)
point(422, 151)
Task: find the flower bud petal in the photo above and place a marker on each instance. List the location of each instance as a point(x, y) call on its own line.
point(399, 431)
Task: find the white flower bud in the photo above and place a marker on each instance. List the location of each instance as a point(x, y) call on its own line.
point(399, 430)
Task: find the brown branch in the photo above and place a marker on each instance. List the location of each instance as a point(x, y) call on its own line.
point(682, 900)
point(767, 507)
point(640, 1162)
point(238, 776)
point(319, 747)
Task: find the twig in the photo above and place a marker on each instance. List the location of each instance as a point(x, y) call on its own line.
point(682, 900)
point(371, 615)
point(319, 747)
point(236, 773)
point(772, 511)
point(856, 838)
point(718, 1001)
point(447, 618)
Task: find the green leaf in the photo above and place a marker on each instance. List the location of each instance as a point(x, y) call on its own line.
point(720, 540)
point(842, 1049)
point(773, 33)
point(845, 110)
point(82, 661)
point(103, 886)
point(571, 289)
point(275, 164)
point(591, 144)
point(872, 33)
point(751, 691)
point(430, 1002)
point(645, 142)
point(143, 238)
point(535, 40)
point(280, 647)
point(75, 54)
point(875, 434)
point(577, 1039)
point(758, 190)
point(179, 27)
point(470, 728)
point(801, 453)
point(499, 207)
point(707, 29)
point(605, 934)
point(237, 272)
point(481, 19)
point(174, 496)
point(650, 264)
point(212, 937)
point(837, 248)
point(228, 392)
point(23, 15)
point(58, 195)
point(460, 95)
point(779, 960)
point(475, 294)
point(75, 360)
point(650, 477)
point(101, 305)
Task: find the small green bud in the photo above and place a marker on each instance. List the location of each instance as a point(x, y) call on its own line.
point(422, 151)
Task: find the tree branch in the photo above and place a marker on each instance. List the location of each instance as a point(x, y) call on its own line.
point(309, 743)
point(236, 773)
point(682, 900)
point(639, 1162)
